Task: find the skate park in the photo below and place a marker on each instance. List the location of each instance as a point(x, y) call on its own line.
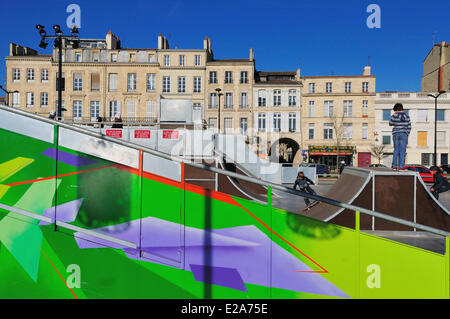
point(72, 195)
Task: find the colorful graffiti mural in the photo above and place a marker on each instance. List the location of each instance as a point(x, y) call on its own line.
point(86, 222)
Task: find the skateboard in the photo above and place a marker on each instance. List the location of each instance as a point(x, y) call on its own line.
point(310, 205)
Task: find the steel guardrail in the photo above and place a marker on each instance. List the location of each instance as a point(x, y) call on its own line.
point(231, 174)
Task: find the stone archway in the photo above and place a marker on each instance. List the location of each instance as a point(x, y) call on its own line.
point(283, 150)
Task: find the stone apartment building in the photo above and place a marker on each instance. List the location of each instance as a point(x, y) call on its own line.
point(104, 79)
point(234, 78)
point(436, 69)
point(338, 118)
point(276, 118)
point(420, 108)
point(280, 113)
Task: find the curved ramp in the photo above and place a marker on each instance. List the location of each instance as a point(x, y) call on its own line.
point(346, 189)
point(399, 194)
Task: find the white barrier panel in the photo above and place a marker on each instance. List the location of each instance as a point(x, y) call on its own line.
point(161, 167)
point(289, 174)
point(171, 142)
point(144, 137)
point(26, 126)
point(99, 147)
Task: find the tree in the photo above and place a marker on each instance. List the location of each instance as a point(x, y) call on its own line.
point(377, 151)
point(339, 138)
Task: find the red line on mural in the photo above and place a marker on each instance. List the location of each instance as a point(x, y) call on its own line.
point(215, 195)
point(57, 272)
point(286, 241)
point(52, 177)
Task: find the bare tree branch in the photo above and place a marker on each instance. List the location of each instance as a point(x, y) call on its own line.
point(378, 152)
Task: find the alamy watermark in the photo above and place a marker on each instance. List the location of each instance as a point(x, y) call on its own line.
point(374, 279)
point(74, 279)
point(74, 19)
point(374, 19)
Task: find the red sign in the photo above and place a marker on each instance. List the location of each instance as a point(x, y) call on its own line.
point(142, 134)
point(169, 134)
point(114, 133)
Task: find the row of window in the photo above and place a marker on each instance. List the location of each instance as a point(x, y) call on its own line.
point(228, 77)
point(228, 102)
point(292, 122)
point(30, 75)
point(276, 97)
point(30, 99)
point(329, 87)
point(329, 131)
point(427, 159)
point(182, 60)
point(422, 138)
point(422, 115)
point(243, 123)
point(228, 123)
point(114, 109)
point(131, 57)
point(328, 108)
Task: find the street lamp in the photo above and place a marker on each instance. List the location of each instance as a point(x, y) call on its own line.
point(218, 96)
point(435, 124)
point(58, 37)
point(7, 94)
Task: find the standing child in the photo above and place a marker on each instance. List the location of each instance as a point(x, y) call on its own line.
point(401, 128)
point(303, 183)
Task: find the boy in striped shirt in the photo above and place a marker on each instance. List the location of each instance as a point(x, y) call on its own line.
point(401, 128)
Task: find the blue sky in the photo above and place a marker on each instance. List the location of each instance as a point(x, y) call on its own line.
point(322, 37)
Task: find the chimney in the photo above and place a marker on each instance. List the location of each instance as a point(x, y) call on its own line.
point(12, 49)
point(160, 41)
point(297, 76)
point(165, 43)
point(205, 43)
point(441, 67)
point(251, 55)
point(109, 37)
point(366, 70)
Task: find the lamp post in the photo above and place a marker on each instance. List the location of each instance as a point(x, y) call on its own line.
point(435, 124)
point(73, 38)
point(218, 97)
point(7, 94)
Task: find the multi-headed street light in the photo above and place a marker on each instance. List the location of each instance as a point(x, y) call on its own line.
point(58, 37)
point(435, 123)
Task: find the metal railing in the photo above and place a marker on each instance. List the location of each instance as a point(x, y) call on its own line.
point(233, 175)
point(110, 120)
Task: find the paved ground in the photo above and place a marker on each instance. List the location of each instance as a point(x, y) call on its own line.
point(423, 240)
point(294, 203)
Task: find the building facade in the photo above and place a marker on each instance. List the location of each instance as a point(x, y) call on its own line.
point(276, 117)
point(338, 118)
point(421, 109)
point(281, 114)
point(234, 78)
point(103, 79)
point(436, 69)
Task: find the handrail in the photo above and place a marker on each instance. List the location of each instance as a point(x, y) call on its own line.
point(59, 223)
point(231, 174)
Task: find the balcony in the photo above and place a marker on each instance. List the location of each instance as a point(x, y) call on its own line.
point(107, 122)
